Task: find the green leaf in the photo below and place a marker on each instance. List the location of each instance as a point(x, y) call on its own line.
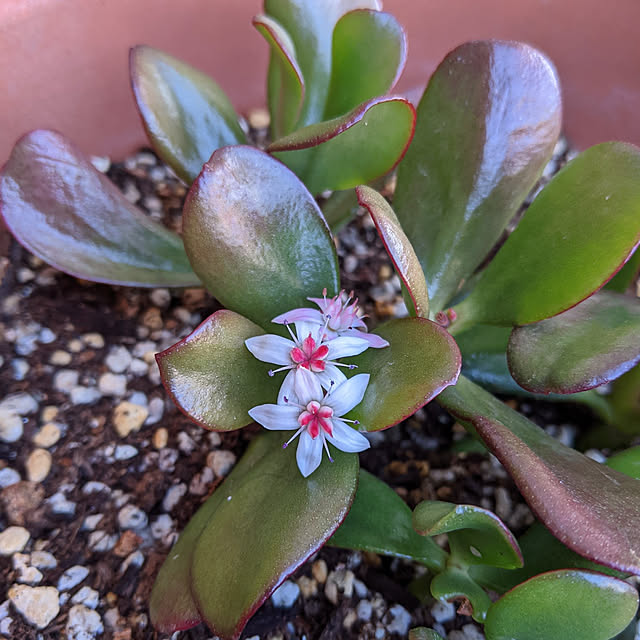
point(269, 520)
point(285, 90)
point(172, 606)
point(185, 113)
point(573, 238)
point(476, 535)
point(592, 509)
point(422, 633)
point(627, 275)
point(398, 247)
point(455, 584)
point(627, 462)
point(487, 125)
point(256, 236)
point(563, 604)
point(351, 149)
point(368, 55)
point(625, 401)
point(420, 361)
point(64, 211)
point(310, 26)
point(211, 375)
point(380, 521)
point(593, 343)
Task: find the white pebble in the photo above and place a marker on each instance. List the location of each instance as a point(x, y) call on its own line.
point(72, 577)
point(186, 443)
point(285, 595)
point(37, 605)
point(112, 384)
point(443, 611)
point(84, 395)
point(13, 540)
point(162, 526)
point(160, 298)
point(118, 359)
point(43, 560)
point(47, 436)
point(139, 398)
point(101, 541)
point(87, 596)
point(400, 620)
point(134, 559)
point(138, 367)
point(94, 486)
point(21, 403)
point(173, 496)
point(91, 522)
point(60, 358)
point(132, 517)
point(27, 573)
point(46, 336)
point(221, 461)
point(364, 610)
point(8, 476)
point(65, 380)
point(83, 623)
point(156, 410)
point(38, 465)
point(125, 452)
point(93, 340)
point(11, 427)
point(199, 484)
point(60, 505)
point(20, 368)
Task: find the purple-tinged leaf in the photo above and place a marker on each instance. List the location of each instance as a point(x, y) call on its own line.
point(351, 149)
point(563, 604)
point(592, 509)
point(285, 90)
point(310, 26)
point(398, 247)
point(421, 360)
point(590, 344)
point(268, 521)
point(63, 210)
point(185, 113)
point(211, 375)
point(476, 535)
point(575, 236)
point(368, 55)
point(256, 236)
point(487, 125)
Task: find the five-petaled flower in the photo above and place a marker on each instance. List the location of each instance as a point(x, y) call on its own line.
point(317, 417)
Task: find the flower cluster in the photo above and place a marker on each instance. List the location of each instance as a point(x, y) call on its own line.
point(315, 393)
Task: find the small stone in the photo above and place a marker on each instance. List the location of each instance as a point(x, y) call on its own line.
point(160, 438)
point(13, 540)
point(60, 505)
point(49, 414)
point(101, 163)
point(83, 623)
point(152, 319)
point(162, 526)
point(139, 398)
point(84, 395)
point(156, 410)
point(60, 358)
point(93, 340)
point(72, 577)
point(37, 605)
point(128, 417)
point(167, 459)
point(87, 596)
point(27, 574)
point(11, 426)
point(21, 403)
point(173, 496)
point(339, 581)
point(118, 359)
point(75, 345)
point(221, 461)
point(24, 274)
point(135, 559)
point(259, 118)
point(308, 587)
point(91, 522)
point(38, 465)
point(112, 384)
point(400, 620)
point(360, 588)
point(20, 500)
point(199, 484)
point(43, 560)
point(124, 452)
point(160, 298)
point(364, 610)
point(349, 619)
point(20, 368)
point(47, 436)
point(319, 571)
point(101, 541)
point(65, 380)
point(127, 543)
point(138, 367)
point(46, 336)
point(95, 486)
point(186, 443)
point(8, 476)
point(285, 595)
point(443, 611)
point(214, 438)
point(5, 625)
point(471, 632)
point(132, 517)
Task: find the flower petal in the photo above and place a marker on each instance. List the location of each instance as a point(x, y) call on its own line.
point(271, 348)
point(343, 347)
point(347, 439)
point(276, 417)
point(374, 341)
point(300, 315)
point(330, 374)
point(348, 394)
point(309, 453)
point(287, 390)
point(307, 386)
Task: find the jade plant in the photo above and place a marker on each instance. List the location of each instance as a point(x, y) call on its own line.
point(291, 351)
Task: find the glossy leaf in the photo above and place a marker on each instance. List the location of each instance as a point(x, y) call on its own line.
point(592, 509)
point(269, 520)
point(310, 26)
point(487, 125)
point(368, 54)
point(422, 633)
point(584, 347)
point(563, 604)
point(627, 276)
point(420, 361)
point(627, 462)
point(285, 90)
point(574, 237)
point(211, 375)
point(172, 606)
point(625, 401)
point(398, 247)
point(476, 535)
point(351, 149)
point(256, 236)
point(380, 521)
point(63, 210)
point(185, 113)
point(455, 584)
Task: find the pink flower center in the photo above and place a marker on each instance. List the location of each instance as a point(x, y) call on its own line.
point(316, 417)
point(309, 355)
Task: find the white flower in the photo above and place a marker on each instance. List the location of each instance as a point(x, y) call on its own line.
point(316, 418)
point(306, 350)
point(340, 316)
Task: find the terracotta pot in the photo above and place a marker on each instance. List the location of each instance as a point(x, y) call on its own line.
point(63, 65)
